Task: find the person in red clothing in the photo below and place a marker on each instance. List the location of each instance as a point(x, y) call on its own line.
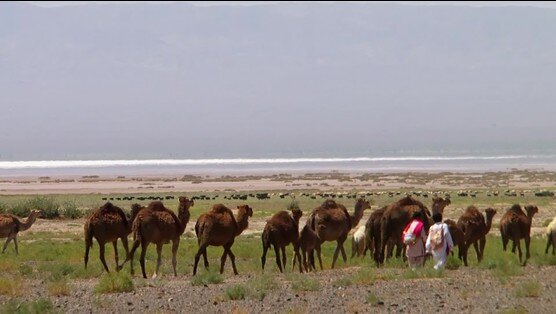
point(414, 238)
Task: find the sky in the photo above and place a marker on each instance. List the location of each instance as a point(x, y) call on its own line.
point(191, 80)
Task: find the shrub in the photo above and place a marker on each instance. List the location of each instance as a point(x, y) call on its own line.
point(293, 205)
point(71, 211)
point(39, 306)
point(236, 292)
point(111, 283)
point(20, 209)
point(206, 278)
point(304, 283)
point(58, 287)
point(260, 285)
point(373, 299)
point(528, 289)
point(10, 286)
point(49, 208)
point(453, 262)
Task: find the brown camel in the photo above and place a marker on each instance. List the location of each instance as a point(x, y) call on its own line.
point(107, 224)
point(516, 225)
point(10, 226)
point(475, 228)
point(332, 222)
point(372, 233)
point(438, 204)
point(457, 235)
point(159, 225)
point(309, 242)
point(396, 216)
point(281, 230)
point(219, 227)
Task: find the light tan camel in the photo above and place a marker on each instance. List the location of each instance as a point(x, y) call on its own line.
point(475, 228)
point(516, 225)
point(219, 227)
point(332, 222)
point(280, 230)
point(10, 226)
point(159, 225)
point(107, 224)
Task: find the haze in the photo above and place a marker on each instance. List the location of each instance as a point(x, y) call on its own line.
point(192, 81)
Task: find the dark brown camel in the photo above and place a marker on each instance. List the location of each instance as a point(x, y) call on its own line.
point(219, 227)
point(309, 243)
point(159, 225)
point(280, 230)
point(396, 216)
point(457, 235)
point(373, 235)
point(438, 204)
point(332, 222)
point(108, 224)
point(516, 225)
point(10, 226)
point(475, 228)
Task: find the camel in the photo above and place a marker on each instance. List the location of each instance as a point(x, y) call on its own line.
point(457, 235)
point(394, 219)
point(10, 226)
point(309, 242)
point(219, 227)
point(332, 222)
point(516, 225)
point(159, 225)
point(438, 204)
point(475, 228)
point(358, 246)
point(107, 224)
point(280, 230)
point(551, 237)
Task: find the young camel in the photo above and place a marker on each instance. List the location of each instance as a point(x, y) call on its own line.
point(107, 224)
point(281, 230)
point(219, 227)
point(159, 225)
point(551, 237)
point(516, 225)
point(474, 227)
point(332, 222)
point(309, 242)
point(10, 226)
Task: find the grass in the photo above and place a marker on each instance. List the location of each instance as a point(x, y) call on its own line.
point(303, 282)
point(206, 278)
point(58, 288)
point(11, 286)
point(373, 299)
point(260, 285)
point(236, 292)
point(39, 306)
point(115, 282)
point(528, 289)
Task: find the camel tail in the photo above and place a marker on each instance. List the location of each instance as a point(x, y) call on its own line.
point(199, 229)
point(266, 239)
point(88, 236)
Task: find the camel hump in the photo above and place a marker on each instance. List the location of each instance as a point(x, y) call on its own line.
point(516, 209)
point(156, 206)
point(329, 204)
point(221, 209)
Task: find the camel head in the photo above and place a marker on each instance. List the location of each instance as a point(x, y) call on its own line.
point(135, 208)
point(531, 210)
point(362, 204)
point(490, 212)
point(438, 204)
point(185, 202)
point(296, 213)
point(246, 209)
point(34, 214)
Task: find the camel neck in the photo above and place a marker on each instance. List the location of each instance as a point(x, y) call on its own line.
point(28, 222)
point(357, 215)
point(183, 217)
point(488, 223)
point(242, 221)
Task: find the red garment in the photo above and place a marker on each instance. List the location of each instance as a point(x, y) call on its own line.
point(415, 227)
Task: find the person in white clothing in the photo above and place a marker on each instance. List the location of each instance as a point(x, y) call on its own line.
point(439, 242)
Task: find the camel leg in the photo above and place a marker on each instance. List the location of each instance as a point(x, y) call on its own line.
point(553, 243)
point(232, 257)
point(298, 257)
point(175, 246)
point(464, 253)
point(304, 255)
point(527, 244)
point(504, 242)
point(284, 257)
point(144, 246)
point(6, 244)
point(158, 259)
point(126, 248)
point(336, 252)
point(17, 250)
point(115, 245)
point(482, 244)
point(86, 258)
point(102, 259)
point(319, 257)
point(130, 255)
point(548, 242)
point(277, 253)
point(223, 261)
point(205, 258)
point(477, 251)
point(516, 243)
point(263, 257)
point(197, 256)
point(353, 248)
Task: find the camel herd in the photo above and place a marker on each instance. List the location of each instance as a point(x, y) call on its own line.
point(331, 221)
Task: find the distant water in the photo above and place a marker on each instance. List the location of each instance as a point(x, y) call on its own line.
point(275, 165)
